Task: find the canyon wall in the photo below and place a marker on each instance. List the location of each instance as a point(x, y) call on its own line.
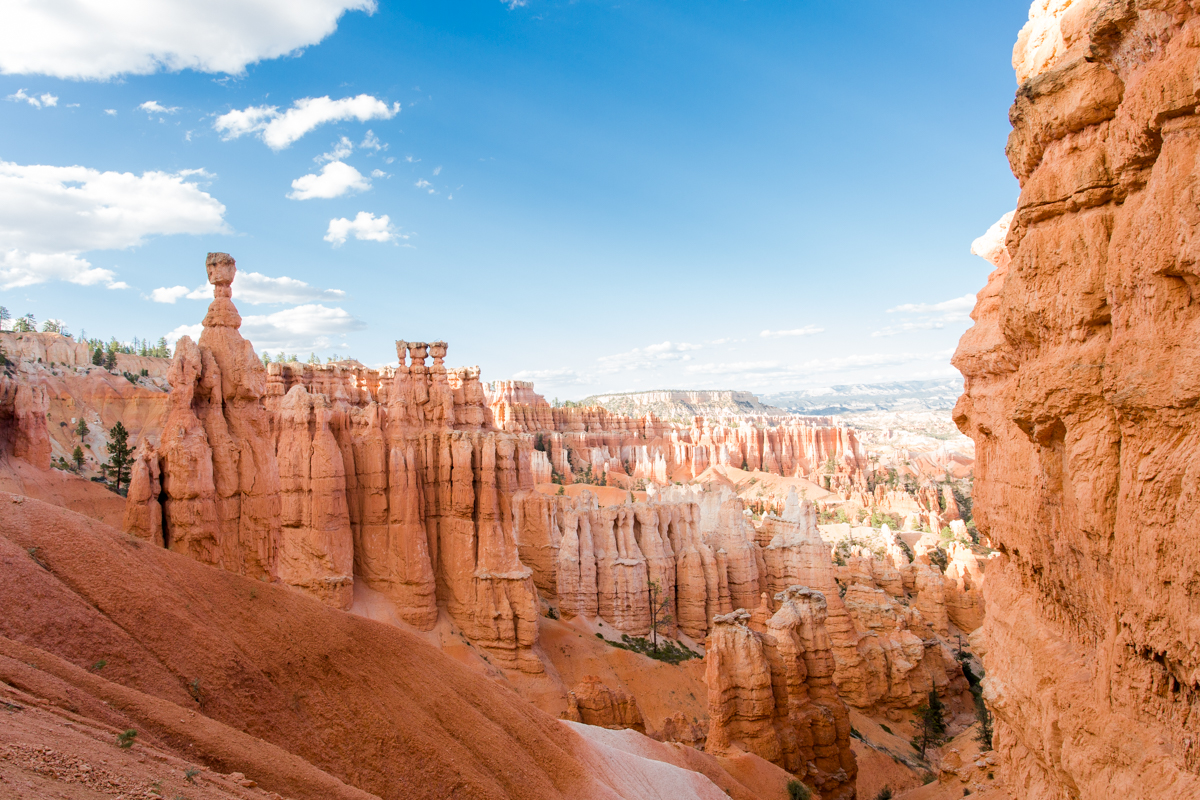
point(1082, 383)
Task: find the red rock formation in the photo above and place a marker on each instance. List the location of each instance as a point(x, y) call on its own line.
point(964, 587)
point(218, 462)
point(1081, 393)
point(316, 553)
point(772, 693)
point(24, 433)
point(594, 703)
point(143, 511)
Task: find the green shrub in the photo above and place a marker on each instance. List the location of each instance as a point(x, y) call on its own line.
point(884, 794)
point(798, 791)
point(125, 740)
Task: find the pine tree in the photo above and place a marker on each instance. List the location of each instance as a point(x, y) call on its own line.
point(930, 716)
point(4, 317)
point(660, 611)
point(77, 457)
point(120, 455)
point(98, 357)
point(110, 359)
point(82, 429)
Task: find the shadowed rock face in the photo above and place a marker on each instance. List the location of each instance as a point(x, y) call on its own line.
point(1082, 382)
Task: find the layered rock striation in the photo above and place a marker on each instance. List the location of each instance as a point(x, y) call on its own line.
point(1082, 384)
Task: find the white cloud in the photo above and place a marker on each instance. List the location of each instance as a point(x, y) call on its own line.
point(365, 227)
point(932, 316)
point(19, 268)
point(193, 331)
point(552, 377)
point(154, 107)
point(961, 305)
point(341, 149)
point(378, 173)
point(335, 180)
point(45, 99)
point(88, 40)
point(258, 289)
point(437, 171)
point(165, 294)
point(112, 112)
point(306, 327)
point(279, 130)
point(371, 142)
point(49, 215)
point(648, 357)
point(807, 330)
point(905, 327)
point(751, 371)
point(422, 184)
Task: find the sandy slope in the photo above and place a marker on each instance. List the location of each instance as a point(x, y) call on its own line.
point(258, 679)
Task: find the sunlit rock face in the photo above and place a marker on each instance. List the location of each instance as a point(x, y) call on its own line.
point(1082, 381)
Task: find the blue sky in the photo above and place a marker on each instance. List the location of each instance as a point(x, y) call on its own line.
point(593, 196)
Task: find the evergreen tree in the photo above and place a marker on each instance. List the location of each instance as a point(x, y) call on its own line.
point(98, 357)
point(110, 359)
point(77, 457)
point(120, 455)
point(930, 716)
point(660, 611)
point(82, 429)
point(4, 317)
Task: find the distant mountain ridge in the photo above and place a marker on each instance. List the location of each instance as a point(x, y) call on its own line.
point(935, 395)
point(676, 403)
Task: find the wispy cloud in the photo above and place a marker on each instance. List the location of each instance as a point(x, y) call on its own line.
point(553, 377)
point(647, 357)
point(961, 305)
point(371, 142)
point(341, 150)
point(807, 330)
point(280, 129)
point(44, 100)
point(759, 371)
point(155, 107)
point(305, 327)
point(929, 316)
point(254, 288)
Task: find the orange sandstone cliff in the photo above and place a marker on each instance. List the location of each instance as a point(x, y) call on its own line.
point(1082, 383)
